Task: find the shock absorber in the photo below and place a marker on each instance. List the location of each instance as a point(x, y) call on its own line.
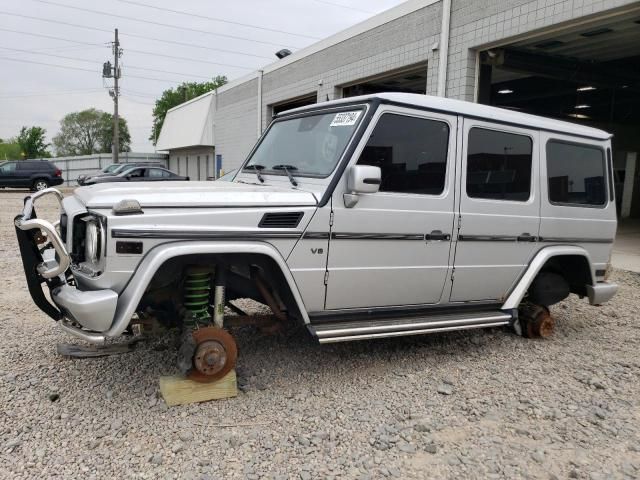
point(196, 294)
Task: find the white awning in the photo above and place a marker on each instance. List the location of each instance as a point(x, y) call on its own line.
point(189, 124)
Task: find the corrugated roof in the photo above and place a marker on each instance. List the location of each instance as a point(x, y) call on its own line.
point(188, 125)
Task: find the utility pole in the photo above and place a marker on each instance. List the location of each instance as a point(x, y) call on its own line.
point(114, 72)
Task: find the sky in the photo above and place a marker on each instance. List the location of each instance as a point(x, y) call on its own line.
point(197, 40)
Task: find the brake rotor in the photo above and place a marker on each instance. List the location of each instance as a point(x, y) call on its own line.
point(215, 354)
point(539, 322)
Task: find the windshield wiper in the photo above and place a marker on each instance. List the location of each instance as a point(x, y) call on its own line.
point(257, 169)
point(286, 169)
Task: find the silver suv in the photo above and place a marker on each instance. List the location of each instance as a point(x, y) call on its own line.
point(374, 216)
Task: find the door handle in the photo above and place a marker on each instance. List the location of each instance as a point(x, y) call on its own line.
point(437, 236)
point(526, 237)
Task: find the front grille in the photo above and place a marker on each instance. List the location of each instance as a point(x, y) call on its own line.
point(281, 220)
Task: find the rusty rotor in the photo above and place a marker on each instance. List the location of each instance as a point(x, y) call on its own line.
point(538, 322)
point(215, 354)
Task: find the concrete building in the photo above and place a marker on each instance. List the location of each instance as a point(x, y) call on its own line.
point(577, 60)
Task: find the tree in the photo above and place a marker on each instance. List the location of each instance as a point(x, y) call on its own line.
point(89, 131)
point(10, 150)
point(175, 96)
point(106, 138)
point(32, 142)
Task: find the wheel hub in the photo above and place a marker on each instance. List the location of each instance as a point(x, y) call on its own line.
point(214, 356)
point(210, 357)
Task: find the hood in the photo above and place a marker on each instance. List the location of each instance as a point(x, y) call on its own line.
point(192, 194)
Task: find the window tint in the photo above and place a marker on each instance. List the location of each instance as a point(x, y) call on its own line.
point(8, 167)
point(156, 173)
point(411, 153)
point(576, 173)
point(498, 165)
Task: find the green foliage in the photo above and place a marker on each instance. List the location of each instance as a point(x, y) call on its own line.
point(10, 150)
point(32, 142)
point(175, 96)
point(90, 131)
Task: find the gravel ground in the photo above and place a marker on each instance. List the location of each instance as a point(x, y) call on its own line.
point(484, 404)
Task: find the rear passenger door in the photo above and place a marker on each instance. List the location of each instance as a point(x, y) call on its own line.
point(499, 209)
point(8, 174)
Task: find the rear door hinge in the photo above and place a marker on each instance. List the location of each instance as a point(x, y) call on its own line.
point(459, 222)
point(326, 277)
point(453, 274)
point(331, 218)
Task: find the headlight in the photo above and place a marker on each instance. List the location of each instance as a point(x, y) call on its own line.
point(92, 241)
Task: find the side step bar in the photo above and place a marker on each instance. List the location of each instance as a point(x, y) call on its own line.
point(398, 327)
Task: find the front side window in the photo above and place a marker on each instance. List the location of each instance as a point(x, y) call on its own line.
point(411, 153)
point(498, 165)
point(309, 145)
point(576, 174)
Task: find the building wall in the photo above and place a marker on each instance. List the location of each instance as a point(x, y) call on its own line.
point(484, 22)
point(197, 163)
point(236, 123)
point(400, 43)
point(405, 41)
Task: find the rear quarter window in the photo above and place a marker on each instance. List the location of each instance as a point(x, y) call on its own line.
point(576, 174)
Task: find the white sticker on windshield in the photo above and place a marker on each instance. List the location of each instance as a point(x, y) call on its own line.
point(344, 119)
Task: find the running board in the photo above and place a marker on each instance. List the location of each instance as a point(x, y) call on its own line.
point(398, 327)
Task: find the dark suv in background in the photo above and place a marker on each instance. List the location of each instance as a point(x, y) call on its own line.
point(32, 174)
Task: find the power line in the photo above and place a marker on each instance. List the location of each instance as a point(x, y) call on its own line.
point(69, 67)
point(49, 94)
point(51, 37)
point(215, 19)
point(65, 57)
point(150, 22)
point(194, 45)
point(187, 59)
point(345, 6)
point(174, 42)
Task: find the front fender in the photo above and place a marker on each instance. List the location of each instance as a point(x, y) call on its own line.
point(155, 258)
point(519, 291)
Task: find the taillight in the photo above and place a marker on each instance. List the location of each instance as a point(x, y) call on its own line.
point(58, 172)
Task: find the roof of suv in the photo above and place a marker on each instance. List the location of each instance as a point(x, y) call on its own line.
point(449, 105)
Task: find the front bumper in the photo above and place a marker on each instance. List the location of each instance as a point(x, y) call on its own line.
point(601, 292)
point(92, 310)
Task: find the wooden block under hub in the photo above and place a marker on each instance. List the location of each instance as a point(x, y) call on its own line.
point(177, 390)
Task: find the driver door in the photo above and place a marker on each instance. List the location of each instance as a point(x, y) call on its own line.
point(393, 247)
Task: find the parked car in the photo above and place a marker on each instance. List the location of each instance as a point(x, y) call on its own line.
point(138, 174)
point(32, 174)
point(115, 168)
point(376, 216)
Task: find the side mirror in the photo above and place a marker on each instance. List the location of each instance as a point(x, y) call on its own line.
point(361, 179)
point(364, 179)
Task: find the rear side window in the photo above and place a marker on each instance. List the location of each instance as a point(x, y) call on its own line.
point(498, 165)
point(8, 167)
point(157, 173)
point(576, 174)
point(411, 153)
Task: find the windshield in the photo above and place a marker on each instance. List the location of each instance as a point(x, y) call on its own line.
point(310, 145)
point(122, 168)
point(111, 168)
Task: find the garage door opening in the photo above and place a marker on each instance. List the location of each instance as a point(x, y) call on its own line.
point(297, 102)
point(588, 74)
point(412, 80)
